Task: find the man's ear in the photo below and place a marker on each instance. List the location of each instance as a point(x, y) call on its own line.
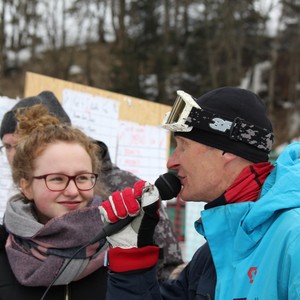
point(231, 158)
point(26, 189)
point(235, 162)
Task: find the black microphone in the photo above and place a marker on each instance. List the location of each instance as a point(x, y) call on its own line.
point(168, 186)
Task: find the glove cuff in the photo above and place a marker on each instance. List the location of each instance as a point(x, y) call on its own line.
point(124, 260)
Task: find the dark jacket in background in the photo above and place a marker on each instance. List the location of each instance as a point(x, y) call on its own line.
point(116, 179)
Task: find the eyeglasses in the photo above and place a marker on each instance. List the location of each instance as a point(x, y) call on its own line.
point(58, 182)
point(7, 147)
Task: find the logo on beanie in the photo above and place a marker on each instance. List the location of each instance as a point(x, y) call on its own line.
point(220, 124)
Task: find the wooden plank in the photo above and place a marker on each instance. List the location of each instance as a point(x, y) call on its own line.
point(132, 109)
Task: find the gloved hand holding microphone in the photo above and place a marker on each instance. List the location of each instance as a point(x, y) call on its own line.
point(132, 247)
point(134, 242)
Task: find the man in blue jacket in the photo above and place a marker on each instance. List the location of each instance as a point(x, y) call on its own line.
point(251, 220)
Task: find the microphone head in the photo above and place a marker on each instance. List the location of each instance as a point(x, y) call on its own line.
point(168, 186)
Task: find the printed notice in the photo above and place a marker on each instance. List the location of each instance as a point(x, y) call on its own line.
point(142, 150)
point(139, 149)
point(94, 115)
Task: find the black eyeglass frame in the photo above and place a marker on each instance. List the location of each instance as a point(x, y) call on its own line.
point(69, 179)
point(7, 147)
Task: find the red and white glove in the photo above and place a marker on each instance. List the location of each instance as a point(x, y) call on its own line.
point(132, 248)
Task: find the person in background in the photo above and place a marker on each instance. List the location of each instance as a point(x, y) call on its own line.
point(251, 219)
point(115, 179)
point(9, 124)
point(110, 179)
point(56, 213)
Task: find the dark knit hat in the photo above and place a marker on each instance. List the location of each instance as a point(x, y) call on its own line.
point(46, 98)
point(233, 120)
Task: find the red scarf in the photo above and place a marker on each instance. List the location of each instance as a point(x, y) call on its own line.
point(248, 184)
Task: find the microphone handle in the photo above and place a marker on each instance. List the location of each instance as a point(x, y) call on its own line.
point(111, 228)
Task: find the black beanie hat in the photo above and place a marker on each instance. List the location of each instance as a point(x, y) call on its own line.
point(9, 122)
point(235, 104)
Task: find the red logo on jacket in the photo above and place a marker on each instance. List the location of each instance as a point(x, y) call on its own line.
point(251, 273)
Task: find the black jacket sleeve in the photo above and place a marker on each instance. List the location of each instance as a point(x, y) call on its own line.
point(196, 281)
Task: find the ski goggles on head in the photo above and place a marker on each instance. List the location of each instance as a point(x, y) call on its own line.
point(175, 120)
point(187, 114)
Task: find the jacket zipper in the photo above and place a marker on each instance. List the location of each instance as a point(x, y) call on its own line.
point(67, 292)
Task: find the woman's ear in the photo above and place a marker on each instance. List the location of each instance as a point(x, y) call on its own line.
point(26, 189)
